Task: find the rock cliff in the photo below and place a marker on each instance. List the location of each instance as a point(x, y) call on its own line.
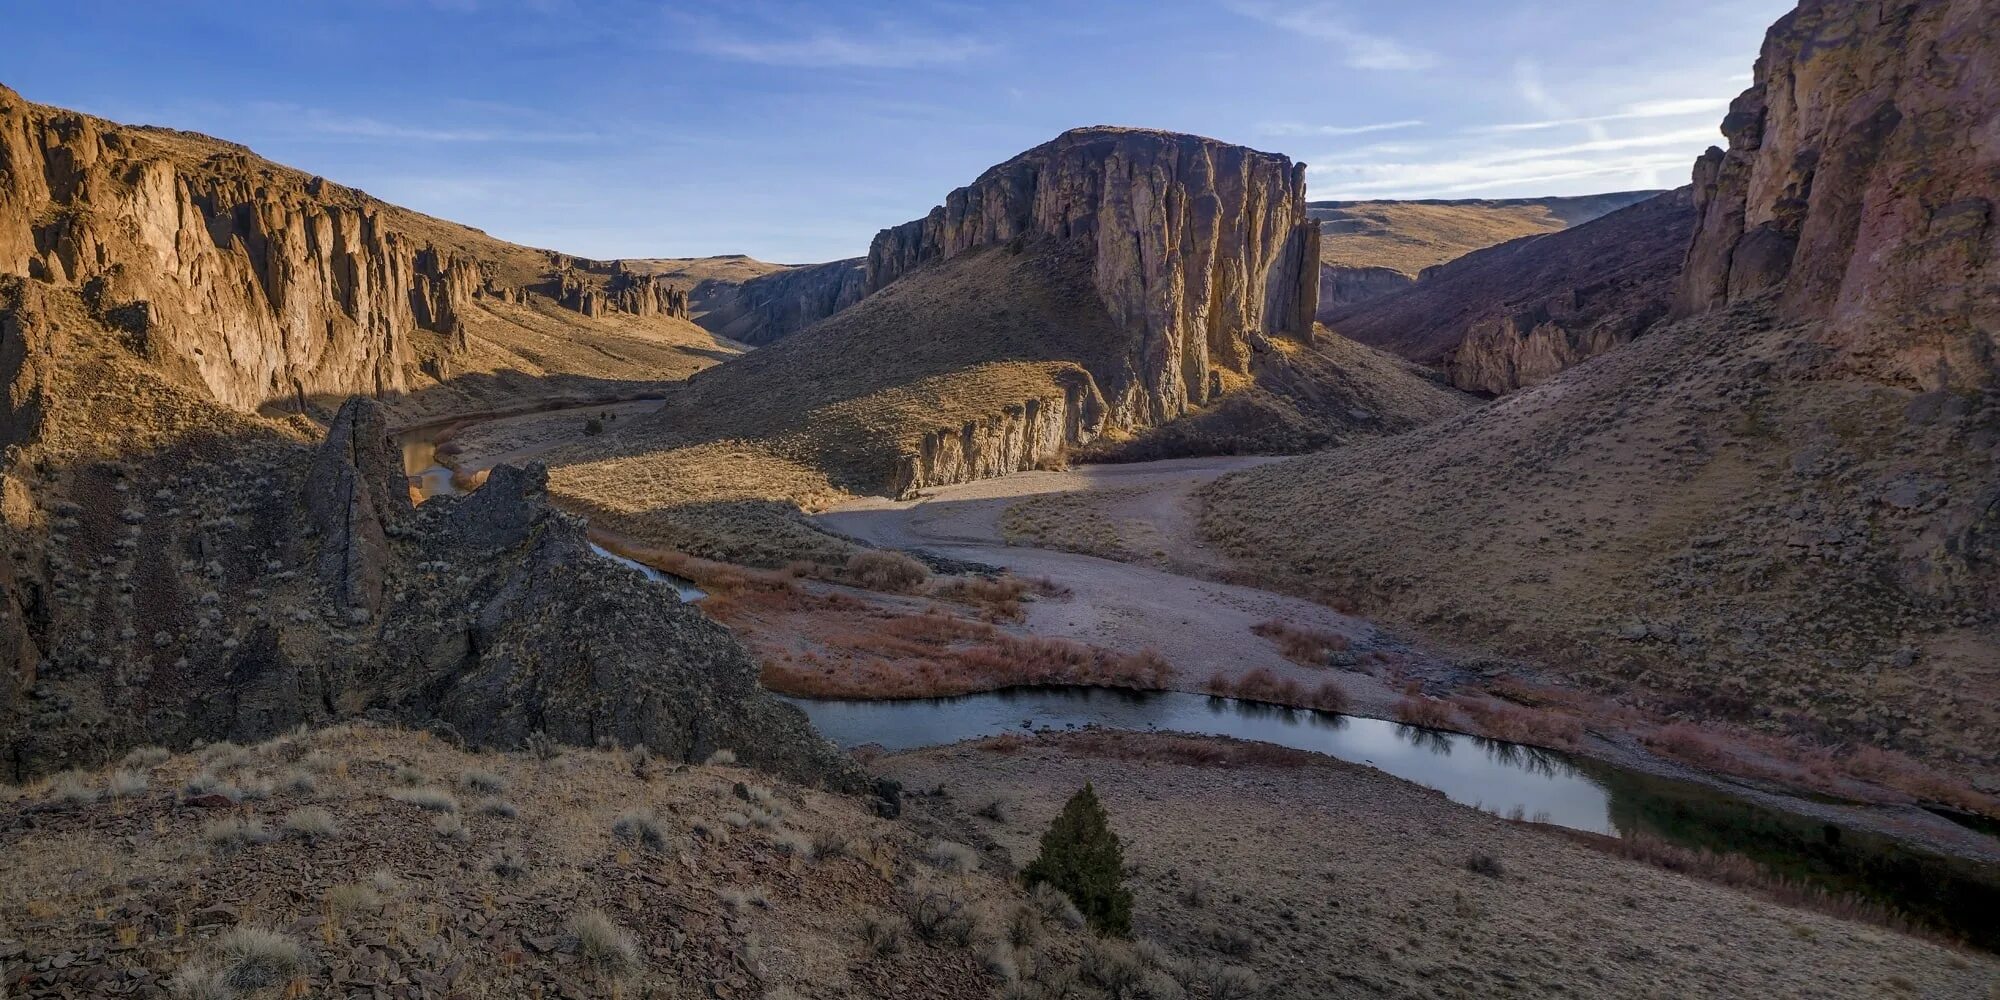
point(767, 308)
point(1859, 187)
point(1198, 247)
point(264, 284)
point(1510, 316)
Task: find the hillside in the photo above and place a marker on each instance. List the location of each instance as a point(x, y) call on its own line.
point(1512, 315)
point(1779, 510)
point(1371, 248)
point(998, 338)
point(276, 290)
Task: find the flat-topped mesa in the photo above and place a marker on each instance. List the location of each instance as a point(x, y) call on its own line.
point(265, 284)
point(1860, 186)
point(1200, 248)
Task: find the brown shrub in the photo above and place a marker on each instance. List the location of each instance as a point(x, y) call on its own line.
point(1429, 713)
point(885, 570)
point(996, 661)
point(1303, 646)
point(1519, 724)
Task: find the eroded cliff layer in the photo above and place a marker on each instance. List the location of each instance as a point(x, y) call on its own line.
point(770, 307)
point(262, 283)
point(1514, 315)
point(1859, 187)
point(1197, 247)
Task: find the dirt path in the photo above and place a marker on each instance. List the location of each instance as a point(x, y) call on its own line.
point(1201, 627)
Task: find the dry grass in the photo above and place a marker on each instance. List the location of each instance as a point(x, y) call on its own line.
point(1519, 723)
point(1266, 687)
point(998, 661)
point(1304, 646)
point(886, 571)
point(1428, 713)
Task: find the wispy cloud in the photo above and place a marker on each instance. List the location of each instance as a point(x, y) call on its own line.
point(1326, 22)
point(1644, 110)
point(1646, 160)
point(332, 124)
point(889, 47)
point(1296, 128)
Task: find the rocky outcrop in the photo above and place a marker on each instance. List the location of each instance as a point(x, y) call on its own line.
point(594, 288)
point(1028, 435)
point(265, 285)
point(486, 616)
point(1341, 287)
point(770, 307)
point(1514, 315)
point(1198, 247)
point(1860, 187)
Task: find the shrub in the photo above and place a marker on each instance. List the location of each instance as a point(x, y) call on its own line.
point(497, 807)
point(882, 935)
point(232, 833)
point(450, 827)
point(428, 798)
point(125, 783)
point(998, 960)
point(1234, 941)
point(881, 569)
point(1425, 713)
point(311, 824)
point(353, 897)
point(210, 783)
point(200, 981)
point(408, 777)
point(482, 781)
point(1054, 908)
point(543, 746)
point(1111, 966)
point(299, 781)
point(641, 826)
point(507, 863)
point(603, 944)
point(1485, 864)
point(73, 788)
point(1229, 982)
point(224, 755)
point(319, 762)
point(939, 915)
point(793, 843)
point(952, 856)
point(1082, 857)
point(146, 757)
point(254, 958)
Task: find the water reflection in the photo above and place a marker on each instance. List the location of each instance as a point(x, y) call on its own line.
point(1506, 779)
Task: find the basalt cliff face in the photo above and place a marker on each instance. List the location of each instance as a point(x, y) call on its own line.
point(1198, 248)
point(1514, 315)
point(1859, 188)
point(770, 307)
point(263, 284)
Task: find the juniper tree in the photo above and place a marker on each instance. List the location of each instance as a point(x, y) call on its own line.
point(1082, 857)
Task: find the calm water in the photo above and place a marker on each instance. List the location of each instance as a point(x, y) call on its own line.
point(1960, 897)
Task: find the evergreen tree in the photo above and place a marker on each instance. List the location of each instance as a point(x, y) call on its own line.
point(1081, 856)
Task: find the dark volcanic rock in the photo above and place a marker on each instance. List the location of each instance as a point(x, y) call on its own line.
point(354, 492)
point(770, 307)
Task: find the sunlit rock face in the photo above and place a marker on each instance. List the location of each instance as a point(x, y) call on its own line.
point(1859, 187)
point(265, 284)
point(1199, 247)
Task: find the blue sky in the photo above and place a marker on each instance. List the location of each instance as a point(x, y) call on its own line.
point(794, 131)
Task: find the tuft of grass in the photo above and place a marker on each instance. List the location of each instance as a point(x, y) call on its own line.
point(449, 827)
point(73, 788)
point(126, 783)
point(353, 897)
point(485, 782)
point(320, 762)
point(225, 755)
point(543, 746)
point(641, 826)
point(604, 945)
point(311, 824)
point(722, 757)
point(507, 863)
point(429, 798)
point(233, 833)
point(198, 980)
point(793, 843)
point(885, 570)
point(208, 782)
point(408, 777)
point(299, 781)
point(255, 958)
point(828, 845)
point(882, 935)
point(1053, 907)
point(497, 807)
point(146, 757)
point(997, 958)
point(952, 856)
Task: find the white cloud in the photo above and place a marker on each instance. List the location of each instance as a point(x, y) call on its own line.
point(1641, 161)
point(1296, 128)
point(827, 48)
point(1325, 22)
point(1685, 108)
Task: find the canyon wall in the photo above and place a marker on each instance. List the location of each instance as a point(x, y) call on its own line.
point(1198, 248)
point(1341, 287)
point(1032, 434)
point(771, 307)
point(263, 284)
point(1513, 315)
point(1859, 187)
